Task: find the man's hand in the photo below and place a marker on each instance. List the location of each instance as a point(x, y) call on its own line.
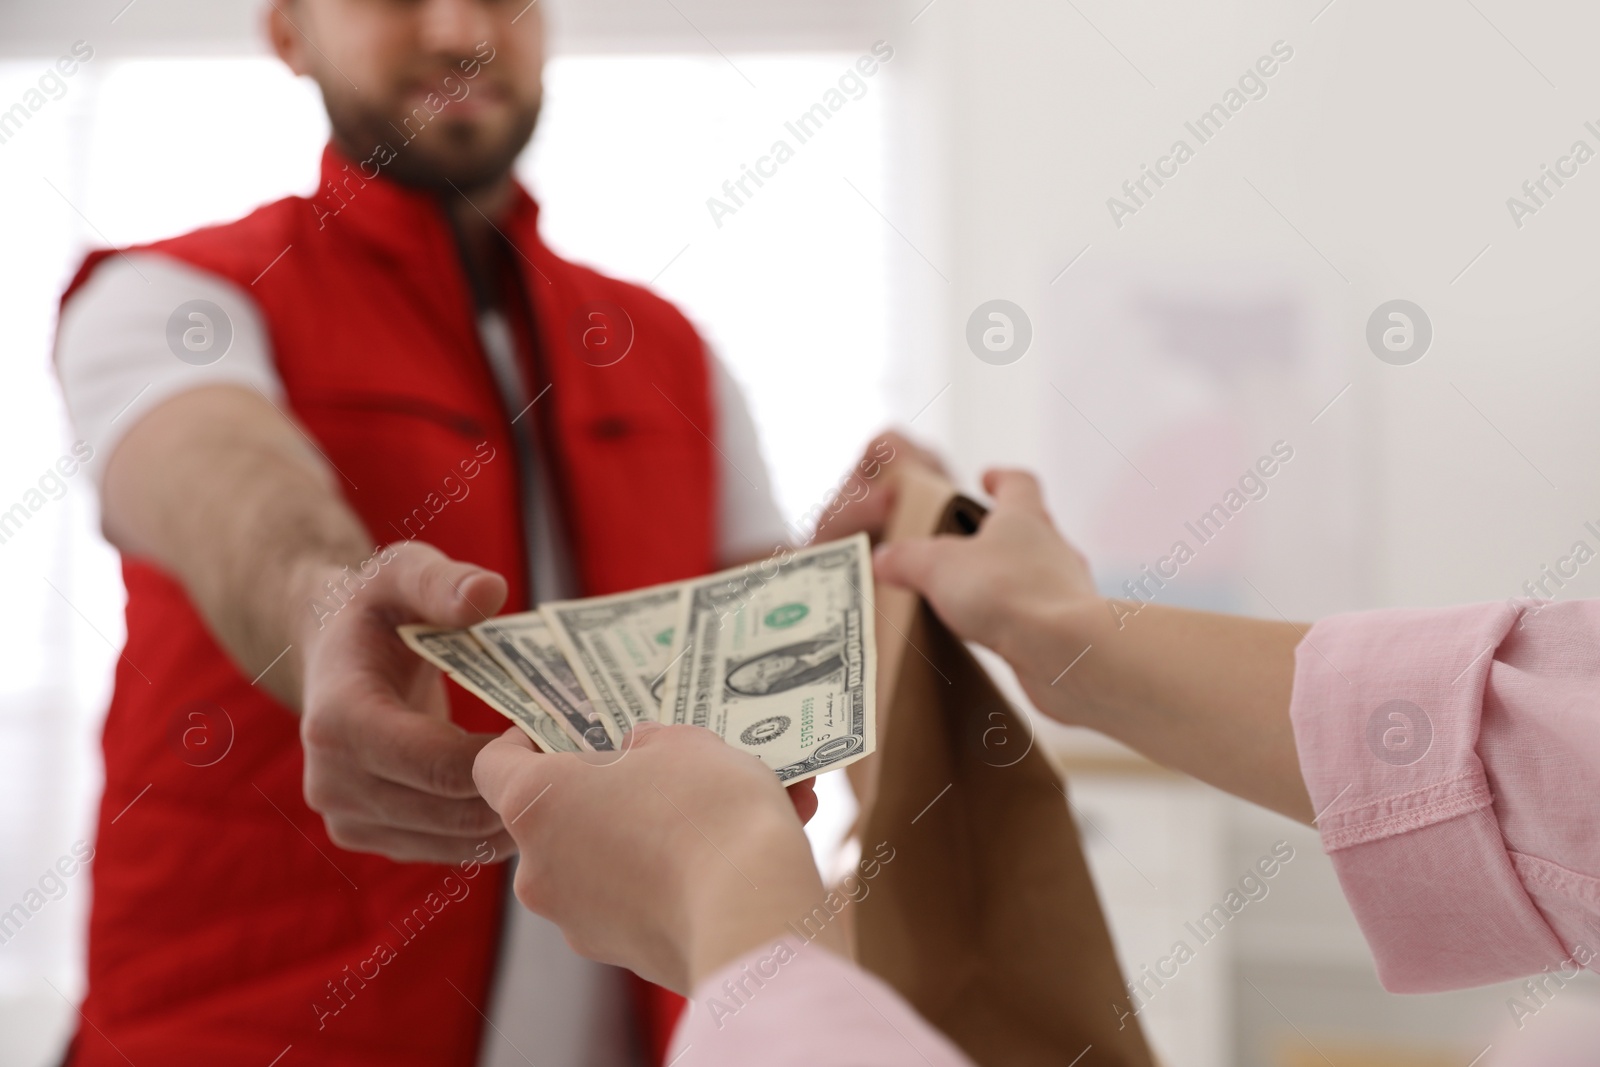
point(223, 491)
point(384, 765)
point(673, 857)
point(997, 586)
point(865, 497)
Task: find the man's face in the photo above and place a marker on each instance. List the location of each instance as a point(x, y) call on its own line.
point(452, 86)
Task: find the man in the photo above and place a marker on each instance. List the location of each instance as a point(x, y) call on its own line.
point(387, 403)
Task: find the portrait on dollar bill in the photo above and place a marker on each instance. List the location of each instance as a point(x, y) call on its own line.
point(790, 667)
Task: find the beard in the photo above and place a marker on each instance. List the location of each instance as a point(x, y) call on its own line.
point(444, 153)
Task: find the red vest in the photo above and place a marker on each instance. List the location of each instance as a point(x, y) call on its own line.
point(226, 927)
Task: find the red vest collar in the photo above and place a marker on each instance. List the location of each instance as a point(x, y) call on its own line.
point(406, 223)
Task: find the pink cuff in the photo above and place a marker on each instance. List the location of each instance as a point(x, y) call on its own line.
point(1386, 711)
point(791, 1003)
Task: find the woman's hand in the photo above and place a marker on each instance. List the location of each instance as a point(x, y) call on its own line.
point(1203, 693)
point(672, 857)
point(1015, 586)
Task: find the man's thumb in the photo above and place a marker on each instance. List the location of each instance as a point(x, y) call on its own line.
point(445, 592)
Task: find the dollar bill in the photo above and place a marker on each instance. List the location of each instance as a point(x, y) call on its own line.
point(458, 654)
point(779, 658)
point(620, 647)
point(525, 646)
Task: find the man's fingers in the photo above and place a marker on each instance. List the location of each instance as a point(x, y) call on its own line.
point(407, 846)
point(442, 591)
point(1014, 488)
point(402, 808)
point(409, 749)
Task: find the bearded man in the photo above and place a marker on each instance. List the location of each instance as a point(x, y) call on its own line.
point(386, 403)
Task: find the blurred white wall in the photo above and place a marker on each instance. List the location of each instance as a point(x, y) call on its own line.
point(1376, 167)
point(1225, 314)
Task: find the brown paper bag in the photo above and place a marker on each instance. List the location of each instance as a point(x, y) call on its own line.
point(985, 919)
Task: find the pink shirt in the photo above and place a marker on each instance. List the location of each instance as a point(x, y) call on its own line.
point(793, 1004)
point(1453, 756)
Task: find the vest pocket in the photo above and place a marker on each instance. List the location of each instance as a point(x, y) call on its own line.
point(416, 470)
point(403, 405)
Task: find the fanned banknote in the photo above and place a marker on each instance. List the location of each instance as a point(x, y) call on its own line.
point(780, 659)
point(620, 647)
point(458, 654)
point(777, 658)
point(525, 646)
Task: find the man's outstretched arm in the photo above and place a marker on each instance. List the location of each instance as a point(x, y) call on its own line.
point(217, 487)
point(223, 493)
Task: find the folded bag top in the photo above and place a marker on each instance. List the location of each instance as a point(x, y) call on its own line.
point(986, 918)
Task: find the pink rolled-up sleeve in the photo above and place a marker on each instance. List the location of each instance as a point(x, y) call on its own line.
point(794, 1004)
point(1453, 756)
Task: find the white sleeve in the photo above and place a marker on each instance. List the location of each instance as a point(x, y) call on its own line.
point(749, 523)
point(144, 328)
